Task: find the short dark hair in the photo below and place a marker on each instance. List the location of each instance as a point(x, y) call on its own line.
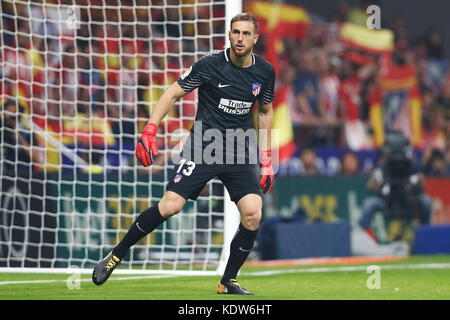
point(10, 101)
point(245, 16)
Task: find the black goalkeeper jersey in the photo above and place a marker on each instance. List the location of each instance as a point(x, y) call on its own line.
point(227, 92)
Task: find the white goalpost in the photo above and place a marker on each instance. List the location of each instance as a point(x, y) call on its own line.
point(78, 81)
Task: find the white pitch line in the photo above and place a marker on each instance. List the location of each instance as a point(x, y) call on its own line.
point(77, 270)
point(88, 280)
point(346, 269)
point(265, 273)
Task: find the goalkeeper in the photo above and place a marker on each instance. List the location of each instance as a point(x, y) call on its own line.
point(229, 82)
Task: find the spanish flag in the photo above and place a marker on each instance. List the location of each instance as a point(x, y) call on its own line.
point(91, 131)
point(363, 44)
point(375, 41)
point(282, 138)
point(49, 137)
point(395, 103)
point(276, 22)
point(287, 20)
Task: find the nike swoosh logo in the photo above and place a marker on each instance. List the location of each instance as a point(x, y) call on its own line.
point(242, 249)
point(137, 225)
point(224, 85)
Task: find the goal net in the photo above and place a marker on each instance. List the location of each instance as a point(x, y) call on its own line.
point(78, 81)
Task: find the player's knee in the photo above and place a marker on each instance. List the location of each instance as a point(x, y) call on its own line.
point(170, 205)
point(169, 209)
point(250, 207)
point(251, 219)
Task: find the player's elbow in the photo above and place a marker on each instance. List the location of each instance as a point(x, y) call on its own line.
point(265, 109)
point(175, 92)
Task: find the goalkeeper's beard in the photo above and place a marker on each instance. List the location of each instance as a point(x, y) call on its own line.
point(242, 53)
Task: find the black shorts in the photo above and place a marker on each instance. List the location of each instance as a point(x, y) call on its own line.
point(189, 179)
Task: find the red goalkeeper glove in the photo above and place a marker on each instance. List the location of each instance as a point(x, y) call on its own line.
point(147, 148)
point(267, 175)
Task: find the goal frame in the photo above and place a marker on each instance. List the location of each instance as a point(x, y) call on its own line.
point(231, 213)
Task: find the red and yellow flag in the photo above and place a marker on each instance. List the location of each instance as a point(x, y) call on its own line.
point(362, 44)
point(396, 103)
point(288, 20)
point(374, 41)
point(278, 21)
point(282, 138)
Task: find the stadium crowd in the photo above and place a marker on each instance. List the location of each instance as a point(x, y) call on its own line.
point(87, 86)
point(334, 91)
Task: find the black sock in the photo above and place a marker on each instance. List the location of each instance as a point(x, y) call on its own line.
point(240, 248)
point(147, 221)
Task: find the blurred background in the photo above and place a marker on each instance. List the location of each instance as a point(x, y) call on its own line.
point(363, 115)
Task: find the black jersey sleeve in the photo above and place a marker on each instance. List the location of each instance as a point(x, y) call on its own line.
point(267, 93)
point(195, 76)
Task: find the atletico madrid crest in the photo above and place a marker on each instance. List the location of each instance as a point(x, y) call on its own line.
point(256, 88)
point(177, 178)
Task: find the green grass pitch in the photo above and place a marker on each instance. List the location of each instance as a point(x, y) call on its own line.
point(416, 277)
